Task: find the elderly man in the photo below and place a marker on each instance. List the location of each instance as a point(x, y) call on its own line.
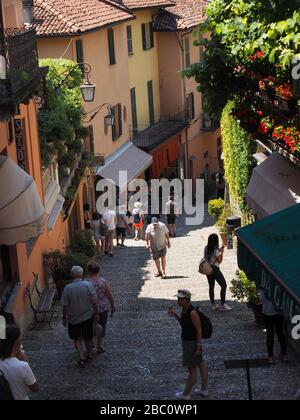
point(80, 310)
point(158, 239)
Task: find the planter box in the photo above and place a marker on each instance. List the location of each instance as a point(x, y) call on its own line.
point(286, 105)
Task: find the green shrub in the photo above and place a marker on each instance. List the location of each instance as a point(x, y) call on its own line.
point(215, 208)
point(244, 289)
point(60, 264)
point(221, 223)
point(83, 243)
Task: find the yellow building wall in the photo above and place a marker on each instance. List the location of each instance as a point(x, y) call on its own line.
point(143, 67)
point(112, 81)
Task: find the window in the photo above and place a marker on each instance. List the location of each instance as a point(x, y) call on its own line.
point(151, 103)
point(129, 40)
point(117, 128)
point(111, 47)
point(187, 54)
point(5, 271)
point(133, 109)
point(191, 106)
point(79, 53)
point(147, 36)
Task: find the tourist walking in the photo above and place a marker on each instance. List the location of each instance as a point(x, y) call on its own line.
point(214, 255)
point(274, 322)
point(122, 227)
point(15, 368)
point(104, 300)
point(80, 310)
point(172, 213)
point(110, 219)
point(158, 240)
point(191, 345)
point(100, 230)
point(138, 221)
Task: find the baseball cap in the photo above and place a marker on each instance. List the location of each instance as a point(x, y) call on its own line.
point(155, 221)
point(183, 294)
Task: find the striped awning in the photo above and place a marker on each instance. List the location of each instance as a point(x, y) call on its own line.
point(128, 159)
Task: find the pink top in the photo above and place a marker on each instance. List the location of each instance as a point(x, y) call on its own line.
point(102, 299)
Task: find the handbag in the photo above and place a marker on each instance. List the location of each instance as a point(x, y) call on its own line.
point(98, 330)
point(205, 267)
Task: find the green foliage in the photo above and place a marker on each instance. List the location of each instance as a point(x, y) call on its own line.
point(83, 244)
point(221, 223)
point(216, 208)
point(59, 120)
point(244, 289)
point(238, 149)
point(248, 38)
point(60, 264)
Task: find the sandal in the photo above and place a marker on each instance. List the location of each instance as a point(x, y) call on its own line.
point(81, 364)
point(158, 274)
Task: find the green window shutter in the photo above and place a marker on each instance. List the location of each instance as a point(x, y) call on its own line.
point(129, 40)
point(144, 37)
point(151, 102)
point(79, 53)
point(133, 109)
point(151, 35)
point(114, 131)
point(120, 120)
point(92, 140)
point(111, 47)
point(193, 105)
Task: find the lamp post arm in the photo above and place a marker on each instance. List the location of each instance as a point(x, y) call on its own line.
point(89, 116)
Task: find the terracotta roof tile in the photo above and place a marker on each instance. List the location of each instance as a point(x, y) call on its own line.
point(66, 17)
point(145, 4)
point(186, 14)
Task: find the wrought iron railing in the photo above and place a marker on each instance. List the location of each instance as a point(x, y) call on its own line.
point(150, 136)
point(23, 75)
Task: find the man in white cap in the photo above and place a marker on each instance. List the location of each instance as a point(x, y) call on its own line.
point(158, 239)
point(80, 311)
point(191, 345)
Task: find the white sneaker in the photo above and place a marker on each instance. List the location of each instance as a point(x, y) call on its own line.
point(215, 307)
point(199, 392)
point(181, 396)
point(225, 308)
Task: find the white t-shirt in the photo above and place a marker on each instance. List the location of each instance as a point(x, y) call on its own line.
point(213, 258)
point(158, 238)
point(110, 219)
point(19, 376)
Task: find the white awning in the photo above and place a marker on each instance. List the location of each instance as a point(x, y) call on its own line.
point(274, 186)
point(21, 210)
point(128, 158)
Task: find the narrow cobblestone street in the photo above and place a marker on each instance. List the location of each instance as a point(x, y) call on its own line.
point(143, 358)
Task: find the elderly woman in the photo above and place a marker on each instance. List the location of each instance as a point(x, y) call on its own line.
point(104, 300)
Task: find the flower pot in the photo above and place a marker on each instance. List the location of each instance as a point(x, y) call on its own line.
point(224, 238)
point(258, 314)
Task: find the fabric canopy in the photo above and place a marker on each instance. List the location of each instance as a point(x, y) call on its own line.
point(21, 210)
point(128, 158)
point(268, 252)
point(274, 186)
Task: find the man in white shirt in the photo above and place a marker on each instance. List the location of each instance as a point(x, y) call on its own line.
point(158, 239)
point(13, 364)
point(110, 219)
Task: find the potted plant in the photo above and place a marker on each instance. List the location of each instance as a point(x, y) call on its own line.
point(243, 290)
point(215, 208)
point(222, 225)
point(60, 265)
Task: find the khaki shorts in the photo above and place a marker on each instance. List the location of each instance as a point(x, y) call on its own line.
point(159, 254)
point(111, 234)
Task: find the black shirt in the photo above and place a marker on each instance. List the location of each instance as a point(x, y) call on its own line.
point(189, 332)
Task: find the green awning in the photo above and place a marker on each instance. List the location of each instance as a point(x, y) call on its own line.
point(269, 254)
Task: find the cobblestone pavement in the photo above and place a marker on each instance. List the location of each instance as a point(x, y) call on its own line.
point(143, 358)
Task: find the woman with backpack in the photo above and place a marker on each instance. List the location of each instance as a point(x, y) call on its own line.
point(192, 335)
point(214, 255)
point(138, 221)
point(99, 229)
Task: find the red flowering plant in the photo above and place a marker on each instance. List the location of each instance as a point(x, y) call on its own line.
point(266, 125)
point(288, 135)
point(285, 91)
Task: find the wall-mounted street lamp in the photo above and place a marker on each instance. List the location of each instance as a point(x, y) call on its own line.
point(109, 119)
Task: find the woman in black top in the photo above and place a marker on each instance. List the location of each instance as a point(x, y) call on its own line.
point(192, 345)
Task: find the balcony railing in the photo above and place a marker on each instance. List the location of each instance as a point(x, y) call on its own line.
point(23, 75)
point(149, 137)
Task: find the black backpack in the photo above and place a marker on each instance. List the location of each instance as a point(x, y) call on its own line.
point(5, 391)
point(207, 328)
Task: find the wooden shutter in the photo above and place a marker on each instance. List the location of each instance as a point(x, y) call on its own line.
point(120, 120)
point(144, 37)
point(92, 140)
point(151, 35)
point(114, 131)
point(111, 47)
point(133, 109)
point(129, 40)
point(79, 53)
point(151, 103)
